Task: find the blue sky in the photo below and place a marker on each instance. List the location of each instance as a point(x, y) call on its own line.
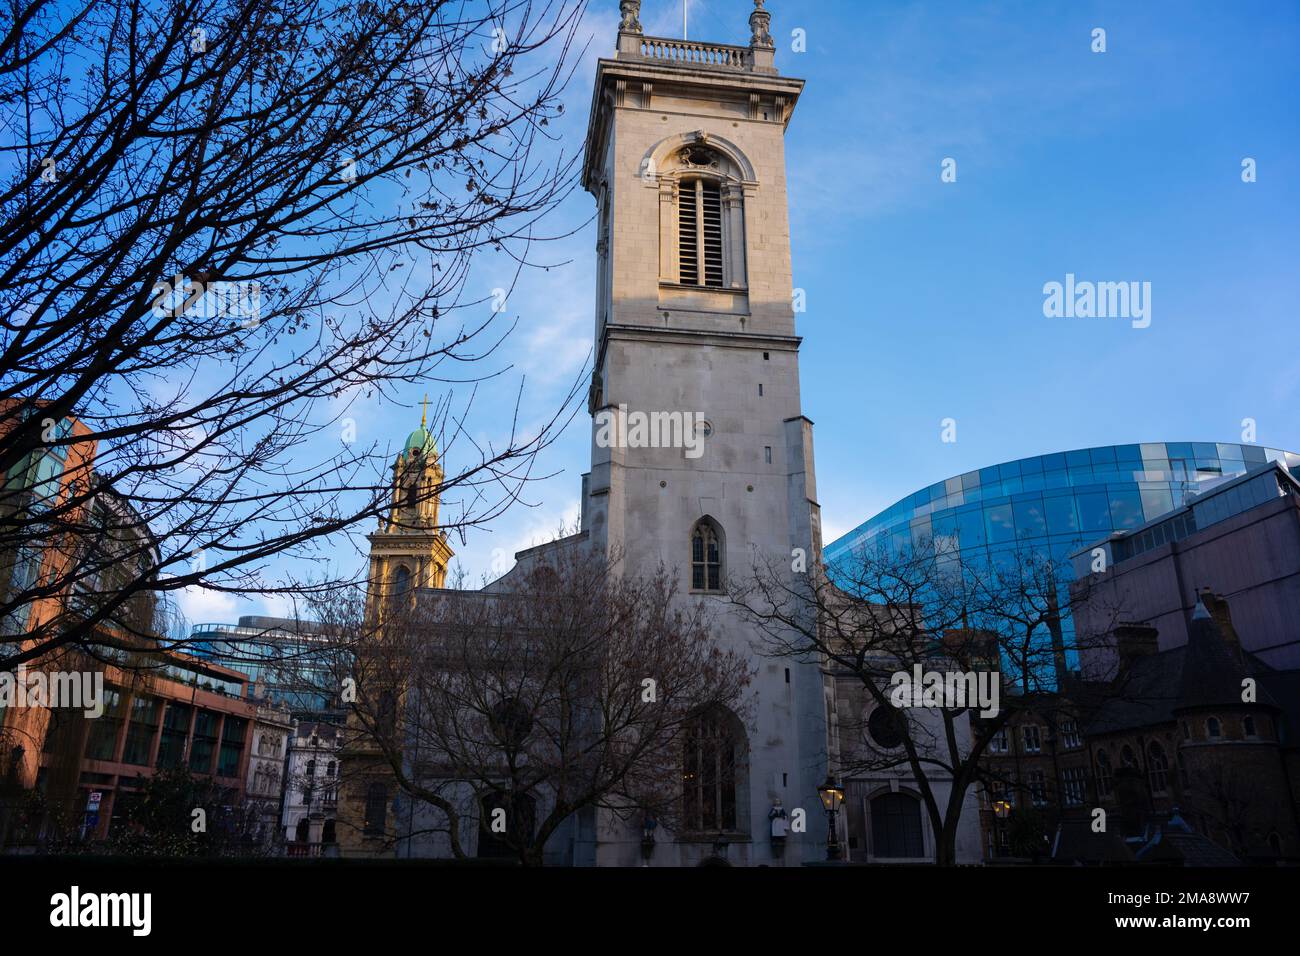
point(925, 298)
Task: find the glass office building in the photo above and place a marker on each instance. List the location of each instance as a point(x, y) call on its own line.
point(1053, 504)
point(291, 663)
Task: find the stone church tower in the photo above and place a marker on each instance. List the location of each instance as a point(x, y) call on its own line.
point(686, 161)
point(408, 553)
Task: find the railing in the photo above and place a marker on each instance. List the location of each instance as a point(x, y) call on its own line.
point(690, 53)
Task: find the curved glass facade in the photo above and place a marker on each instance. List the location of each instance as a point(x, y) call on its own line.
point(1052, 504)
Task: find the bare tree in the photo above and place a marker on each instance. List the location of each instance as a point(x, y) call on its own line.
point(222, 222)
point(566, 687)
point(881, 615)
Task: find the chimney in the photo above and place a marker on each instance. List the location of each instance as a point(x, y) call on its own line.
point(1222, 616)
point(1134, 641)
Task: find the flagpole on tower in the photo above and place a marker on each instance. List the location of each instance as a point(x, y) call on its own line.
point(684, 2)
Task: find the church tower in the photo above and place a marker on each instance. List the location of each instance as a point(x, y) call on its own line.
point(409, 552)
point(685, 158)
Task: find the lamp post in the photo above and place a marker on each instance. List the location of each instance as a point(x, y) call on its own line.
point(832, 796)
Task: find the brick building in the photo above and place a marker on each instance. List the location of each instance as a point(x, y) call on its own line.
point(1183, 748)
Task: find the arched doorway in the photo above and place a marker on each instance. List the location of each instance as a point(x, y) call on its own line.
point(896, 831)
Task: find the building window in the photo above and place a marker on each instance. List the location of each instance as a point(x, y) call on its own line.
point(232, 747)
point(1075, 787)
point(713, 754)
point(176, 729)
point(998, 744)
point(1213, 728)
point(1183, 777)
point(885, 727)
point(101, 742)
point(896, 827)
point(376, 809)
point(1038, 788)
point(699, 233)
point(401, 580)
point(1070, 735)
point(1127, 757)
point(706, 556)
point(1248, 727)
point(205, 741)
point(140, 732)
point(1157, 768)
point(1105, 775)
point(1032, 739)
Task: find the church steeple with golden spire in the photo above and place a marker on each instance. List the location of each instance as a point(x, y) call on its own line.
point(410, 551)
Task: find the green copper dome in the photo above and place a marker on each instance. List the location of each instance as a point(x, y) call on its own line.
point(420, 439)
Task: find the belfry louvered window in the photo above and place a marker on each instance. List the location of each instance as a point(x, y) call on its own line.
point(700, 233)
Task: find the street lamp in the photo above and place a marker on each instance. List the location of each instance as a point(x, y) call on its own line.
point(832, 795)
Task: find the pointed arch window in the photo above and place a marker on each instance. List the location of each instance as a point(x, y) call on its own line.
point(706, 556)
point(1105, 774)
point(1157, 768)
point(713, 771)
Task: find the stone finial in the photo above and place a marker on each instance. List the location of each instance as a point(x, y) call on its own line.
point(760, 23)
point(631, 10)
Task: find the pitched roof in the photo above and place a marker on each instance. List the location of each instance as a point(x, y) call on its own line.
point(1203, 673)
point(1212, 674)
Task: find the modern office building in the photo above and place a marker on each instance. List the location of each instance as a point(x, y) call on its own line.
point(287, 659)
point(1239, 539)
point(1053, 504)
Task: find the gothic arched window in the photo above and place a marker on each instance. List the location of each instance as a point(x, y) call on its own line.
point(706, 556)
point(1157, 768)
point(1105, 776)
point(713, 771)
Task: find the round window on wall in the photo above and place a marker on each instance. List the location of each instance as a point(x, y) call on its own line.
point(883, 726)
